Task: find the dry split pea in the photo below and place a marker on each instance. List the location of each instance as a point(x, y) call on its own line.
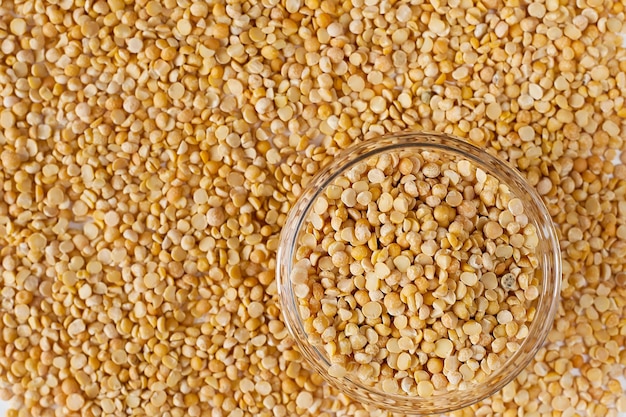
point(417, 273)
point(151, 150)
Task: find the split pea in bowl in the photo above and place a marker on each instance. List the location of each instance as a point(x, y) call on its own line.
point(418, 273)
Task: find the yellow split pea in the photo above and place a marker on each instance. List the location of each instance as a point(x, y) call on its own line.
point(416, 272)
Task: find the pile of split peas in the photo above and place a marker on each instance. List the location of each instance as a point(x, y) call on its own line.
point(417, 272)
point(151, 150)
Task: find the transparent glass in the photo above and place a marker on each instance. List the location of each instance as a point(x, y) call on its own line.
point(548, 271)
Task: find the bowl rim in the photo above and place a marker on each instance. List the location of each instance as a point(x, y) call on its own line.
point(550, 264)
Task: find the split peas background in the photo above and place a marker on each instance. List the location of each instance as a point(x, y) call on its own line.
point(150, 151)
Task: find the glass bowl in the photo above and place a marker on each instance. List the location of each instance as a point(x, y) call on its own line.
point(382, 379)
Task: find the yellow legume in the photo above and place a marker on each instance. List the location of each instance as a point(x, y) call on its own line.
point(109, 105)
